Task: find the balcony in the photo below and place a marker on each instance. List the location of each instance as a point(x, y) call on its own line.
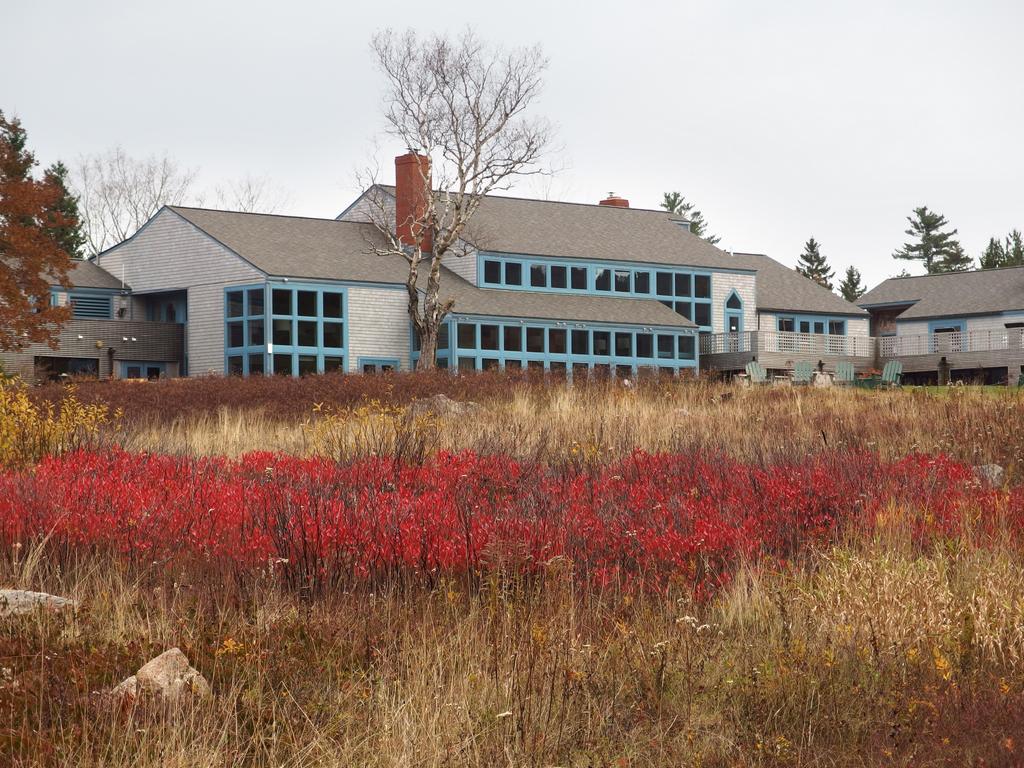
point(997, 340)
point(781, 350)
point(970, 350)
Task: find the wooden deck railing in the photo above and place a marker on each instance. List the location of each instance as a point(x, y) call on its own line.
point(996, 340)
point(820, 344)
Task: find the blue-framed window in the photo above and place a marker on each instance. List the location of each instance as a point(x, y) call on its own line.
point(379, 364)
point(140, 369)
point(813, 324)
point(481, 344)
point(733, 313)
point(687, 292)
point(285, 329)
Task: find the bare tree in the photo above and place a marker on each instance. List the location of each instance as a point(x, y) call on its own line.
point(251, 194)
point(459, 105)
point(118, 194)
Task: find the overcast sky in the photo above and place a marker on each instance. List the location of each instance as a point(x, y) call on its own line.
point(780, 120)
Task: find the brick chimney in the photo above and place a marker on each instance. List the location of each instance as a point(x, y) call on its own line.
point(412, 186)
point(615, 201)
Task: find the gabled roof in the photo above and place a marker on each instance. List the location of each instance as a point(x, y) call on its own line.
point(952, 294)
point(517, 225)
point(328, 249)
point(86, 274)
point(780, 288)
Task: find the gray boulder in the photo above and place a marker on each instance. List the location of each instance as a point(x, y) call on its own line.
point(15, 602)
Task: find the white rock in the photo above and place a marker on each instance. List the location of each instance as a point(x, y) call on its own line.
point(990, 474)
point(169, 677)
point(441, 405)
point(18, 601)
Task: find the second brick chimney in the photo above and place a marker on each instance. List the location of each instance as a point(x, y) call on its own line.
point(615, 201)
point(412, 190)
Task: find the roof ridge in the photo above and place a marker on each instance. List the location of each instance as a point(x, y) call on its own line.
point(978, 271)
point(661, 211)
point(180, 208)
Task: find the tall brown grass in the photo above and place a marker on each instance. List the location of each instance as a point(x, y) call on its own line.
point(561, 423)
point(867, 656)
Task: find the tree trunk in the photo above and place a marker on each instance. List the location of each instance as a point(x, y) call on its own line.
point(428, 349)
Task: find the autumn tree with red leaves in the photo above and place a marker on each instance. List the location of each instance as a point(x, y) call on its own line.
point(38, 226)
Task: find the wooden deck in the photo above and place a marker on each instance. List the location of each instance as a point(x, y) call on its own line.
point(924, 353)
point(781, 351)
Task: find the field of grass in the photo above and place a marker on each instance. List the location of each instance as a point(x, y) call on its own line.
point(677, 573)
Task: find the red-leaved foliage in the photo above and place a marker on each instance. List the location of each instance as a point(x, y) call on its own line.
point(650, 521)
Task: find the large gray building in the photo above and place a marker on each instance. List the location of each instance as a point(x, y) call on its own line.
point(552, 285)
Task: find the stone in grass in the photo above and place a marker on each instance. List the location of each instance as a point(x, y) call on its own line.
point(441, 405)
point(168, 678)
point(991, 475)
point(14, 602)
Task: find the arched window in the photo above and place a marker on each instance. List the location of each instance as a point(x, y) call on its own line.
point(733, 302)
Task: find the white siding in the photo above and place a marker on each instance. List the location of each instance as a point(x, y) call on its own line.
point(464, 266)
point(911, 327)
point(722, 284)
point(378, 325)
point(857, 326)
point(169, 253)
point(993, 322)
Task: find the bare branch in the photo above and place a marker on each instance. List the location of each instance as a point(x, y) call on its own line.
point(462, 104)
point(118, 194)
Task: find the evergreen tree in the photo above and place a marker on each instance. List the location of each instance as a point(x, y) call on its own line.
point(1014, 249)
point(814, 265)
point(851, 288)
point(956, 260)
point(69, 234)
point(673, 202)
point(932, 247)
point(1005, 253)
point(994, 255)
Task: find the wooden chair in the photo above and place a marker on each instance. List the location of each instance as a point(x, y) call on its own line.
point(845, 374)
point(892, 374)
point(756, 373)
point(803, 372)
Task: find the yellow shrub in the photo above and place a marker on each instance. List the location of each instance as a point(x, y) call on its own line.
point(28, 431)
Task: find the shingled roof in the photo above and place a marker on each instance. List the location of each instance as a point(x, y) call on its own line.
point(524, 226)
point(329, 249)
point(951, 294)
point(780, 288)
point(86, 274)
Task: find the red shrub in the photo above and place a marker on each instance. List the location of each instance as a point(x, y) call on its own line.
point(645, 521)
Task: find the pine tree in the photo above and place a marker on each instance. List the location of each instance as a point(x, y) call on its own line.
point(814, 265)
point(932, 247)
point(68, 235)
point(673, 202)
point(956, 260)
point(994, 255)
point(851, 288)
point(1004, 253)
point(1014, 249)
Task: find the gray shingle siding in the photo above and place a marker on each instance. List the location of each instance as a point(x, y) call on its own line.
point(170, 253)
point(378, 325)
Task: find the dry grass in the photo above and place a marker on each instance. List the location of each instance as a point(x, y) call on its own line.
point(871, 653)
point(560, 423)
point(867, 656)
